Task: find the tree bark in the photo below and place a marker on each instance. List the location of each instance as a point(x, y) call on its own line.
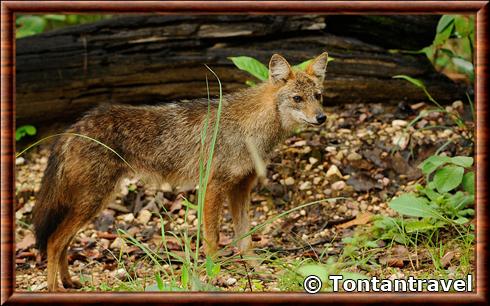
point(154, 59)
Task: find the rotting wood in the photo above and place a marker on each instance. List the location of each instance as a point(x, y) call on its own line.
point(153, 59)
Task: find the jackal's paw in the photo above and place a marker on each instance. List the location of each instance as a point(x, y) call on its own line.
point(58, 289)
point(72, 284)
point(211, 250)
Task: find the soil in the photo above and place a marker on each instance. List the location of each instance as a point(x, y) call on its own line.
point(364, 154)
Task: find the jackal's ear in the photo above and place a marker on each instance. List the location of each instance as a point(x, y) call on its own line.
point(279, 69)
point(318, 66)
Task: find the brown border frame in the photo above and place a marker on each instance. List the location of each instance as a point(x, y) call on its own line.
point(8, 8)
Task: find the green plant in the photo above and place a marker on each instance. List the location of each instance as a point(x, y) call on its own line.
point(25, 130)
point(447, 198)
point(420, 84)
point(433, 215)
point(27, 25)
point(259, 70)
point(293, 275)
point(453, 45)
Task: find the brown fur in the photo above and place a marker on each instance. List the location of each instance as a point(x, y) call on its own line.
point(164, 142)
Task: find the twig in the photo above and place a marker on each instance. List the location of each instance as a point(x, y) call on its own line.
point(275, 249)
point(246, 271)
point(331, 223)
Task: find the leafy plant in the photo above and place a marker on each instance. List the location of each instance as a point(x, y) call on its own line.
point(292, 278)
point(453, 45)
point(258, 69)
point(27, 25)
point(446, 199)
point(25, 130)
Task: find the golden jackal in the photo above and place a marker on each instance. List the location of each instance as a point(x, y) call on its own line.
point(164, 141)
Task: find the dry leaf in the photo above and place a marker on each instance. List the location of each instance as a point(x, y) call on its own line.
point(446, 259)
point(106, 235)
point(361, 219)
point(392, 261)
point(176, 205)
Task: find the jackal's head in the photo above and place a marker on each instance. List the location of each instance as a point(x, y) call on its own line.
point(299, 94)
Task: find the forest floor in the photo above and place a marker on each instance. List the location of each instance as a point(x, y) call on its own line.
point(365, 154)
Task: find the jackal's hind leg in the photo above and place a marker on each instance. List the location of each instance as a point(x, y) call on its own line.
point(66, 279)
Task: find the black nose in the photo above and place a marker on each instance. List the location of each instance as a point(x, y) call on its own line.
point(320, 118)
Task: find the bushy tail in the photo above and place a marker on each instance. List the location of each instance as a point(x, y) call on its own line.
point(51, 207)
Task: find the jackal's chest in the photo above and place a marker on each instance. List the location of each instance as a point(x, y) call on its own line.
point(254, 154)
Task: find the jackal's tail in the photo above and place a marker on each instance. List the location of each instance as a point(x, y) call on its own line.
point(51, 207)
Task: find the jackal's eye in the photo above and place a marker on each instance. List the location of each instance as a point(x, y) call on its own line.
point(297, 99)
point(318, 96)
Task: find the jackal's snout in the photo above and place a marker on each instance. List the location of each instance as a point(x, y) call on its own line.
point(321, 118)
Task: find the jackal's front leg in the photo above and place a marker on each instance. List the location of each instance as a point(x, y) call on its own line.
point(212, 215)
point(239, 200)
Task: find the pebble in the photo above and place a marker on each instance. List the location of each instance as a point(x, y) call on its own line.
point(362, 117)
point(362, 133)
point(231, 281)
point(40, 286)
point(144, 216)
point(289, 181)
point(422, 123)
point(105, 243)
point(300, 143)
point(446, 133)
point(132, 231)
point(313, 160)
point(458, 105)
point(120, 274)
point(339, 185)
point(305, 185)
point(333, 171)
point(354, 156)
point(19, 161)
point(417, 105)
point(399, 123)
point(128, 217)
point(401, 140)
point(317, 180)
point(118, 243)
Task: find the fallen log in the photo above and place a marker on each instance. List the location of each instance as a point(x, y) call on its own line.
point(153, 59)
